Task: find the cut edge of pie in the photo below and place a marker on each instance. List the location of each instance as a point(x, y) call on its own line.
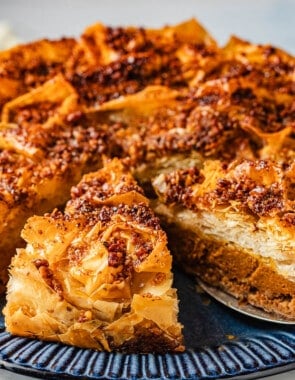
point(234, 227)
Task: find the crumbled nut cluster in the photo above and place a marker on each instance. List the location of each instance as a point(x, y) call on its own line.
point(47, 275)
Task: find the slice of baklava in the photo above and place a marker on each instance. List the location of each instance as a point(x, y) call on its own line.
point(234, 227)
point(99, 274)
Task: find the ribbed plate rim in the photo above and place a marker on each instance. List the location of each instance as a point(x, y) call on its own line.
point(177, 362)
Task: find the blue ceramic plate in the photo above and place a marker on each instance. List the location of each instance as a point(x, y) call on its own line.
point(220, 344)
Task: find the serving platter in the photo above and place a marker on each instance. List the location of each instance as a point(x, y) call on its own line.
point(221, 343)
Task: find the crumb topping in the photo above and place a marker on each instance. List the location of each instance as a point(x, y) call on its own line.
point(251, 186)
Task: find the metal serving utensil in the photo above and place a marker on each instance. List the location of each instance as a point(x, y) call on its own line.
point(250, 311)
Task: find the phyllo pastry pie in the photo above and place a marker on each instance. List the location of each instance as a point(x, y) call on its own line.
point(207, 131)
point(99, 274)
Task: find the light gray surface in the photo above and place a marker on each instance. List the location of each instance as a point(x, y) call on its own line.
point(257, 20)
point(260, 21)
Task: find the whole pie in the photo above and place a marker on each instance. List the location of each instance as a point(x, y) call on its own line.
point(208, 133)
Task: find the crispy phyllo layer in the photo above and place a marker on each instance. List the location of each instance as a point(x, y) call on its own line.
point(27, 66)
point(109, 62)
point(99, 274)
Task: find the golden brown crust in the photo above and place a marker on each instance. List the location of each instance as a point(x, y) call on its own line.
point(259, 188)
point(27, 66)
point(265, 65)
point(109, 62)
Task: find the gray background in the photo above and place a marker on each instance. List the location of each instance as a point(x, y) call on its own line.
point(257, 20)
point(260, 21)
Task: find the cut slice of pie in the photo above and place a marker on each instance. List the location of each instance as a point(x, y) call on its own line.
point(234, 227)
point(99, 274)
